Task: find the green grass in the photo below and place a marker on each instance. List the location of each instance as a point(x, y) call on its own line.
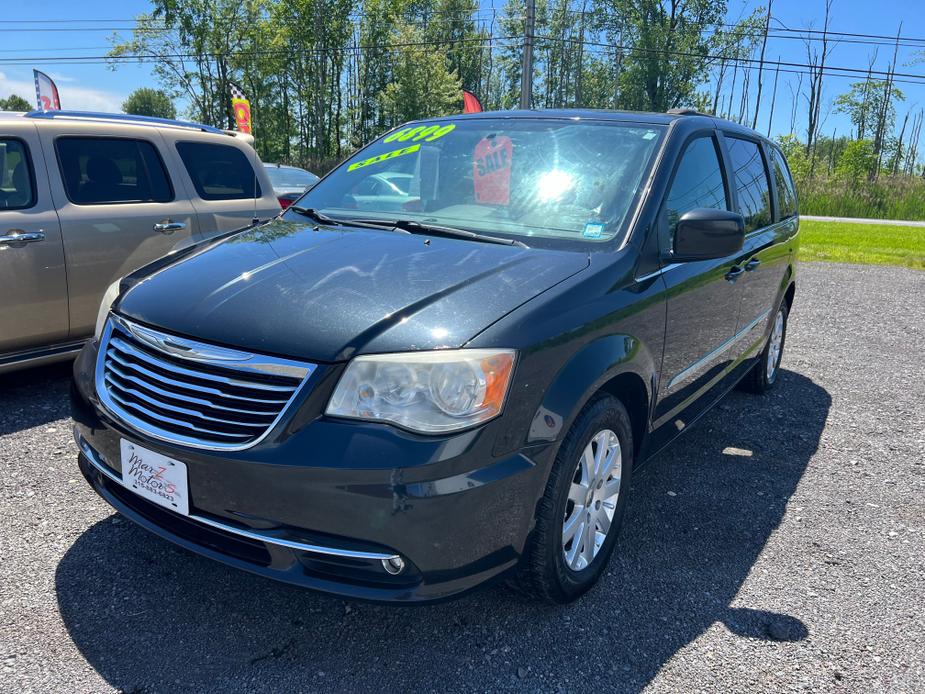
point(869, 244)
point(890, 197)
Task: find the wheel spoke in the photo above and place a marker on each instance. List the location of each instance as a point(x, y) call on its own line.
point(610, 489)
point(587, 549)
point(603, 521)
point(572, 525)
point(572, 553)
point(578, 493)
point(587, 465)
point(603, 441)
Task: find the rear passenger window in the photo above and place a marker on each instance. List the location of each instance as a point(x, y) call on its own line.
point(751, 183)
point(103, 171)
point(697, 183)
point(219, 172)
point(786, 194)
point(16, 189)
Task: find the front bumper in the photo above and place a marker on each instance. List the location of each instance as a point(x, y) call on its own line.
point(323, 505)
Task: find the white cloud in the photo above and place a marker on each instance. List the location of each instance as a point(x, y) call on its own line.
point(72, 97)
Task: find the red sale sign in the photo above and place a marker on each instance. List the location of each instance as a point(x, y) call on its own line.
point(491, 170)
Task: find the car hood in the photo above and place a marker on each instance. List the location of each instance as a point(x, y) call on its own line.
point(285, 288)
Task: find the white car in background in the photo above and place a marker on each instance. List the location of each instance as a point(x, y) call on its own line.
point(289, 182)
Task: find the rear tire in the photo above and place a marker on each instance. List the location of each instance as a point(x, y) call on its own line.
point(581, 511)
point(764, 373)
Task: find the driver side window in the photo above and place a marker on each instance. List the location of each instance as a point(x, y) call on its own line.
point(698, 182)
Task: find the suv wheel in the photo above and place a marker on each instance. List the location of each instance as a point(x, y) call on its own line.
point(764, 374)
point(582, 508)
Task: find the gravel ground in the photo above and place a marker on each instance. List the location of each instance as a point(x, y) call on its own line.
point(779, 545)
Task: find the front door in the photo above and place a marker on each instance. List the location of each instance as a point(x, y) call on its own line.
point(119, 210)
point(33, 285)
point(703, 296)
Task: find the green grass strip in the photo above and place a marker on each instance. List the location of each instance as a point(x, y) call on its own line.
point(868, 244)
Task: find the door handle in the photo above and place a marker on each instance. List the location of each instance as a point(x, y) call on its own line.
point(17, 238)
point(168, 227)
point(734, 273)
point(752, 264)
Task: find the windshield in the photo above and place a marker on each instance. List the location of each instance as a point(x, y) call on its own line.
point(541, 178)
point(290, 177)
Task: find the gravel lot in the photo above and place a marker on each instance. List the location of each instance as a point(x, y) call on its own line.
point(800, 566)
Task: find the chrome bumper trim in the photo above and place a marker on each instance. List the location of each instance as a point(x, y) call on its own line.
point(96, 460)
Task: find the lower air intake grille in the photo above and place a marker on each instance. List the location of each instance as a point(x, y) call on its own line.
point(192, 393)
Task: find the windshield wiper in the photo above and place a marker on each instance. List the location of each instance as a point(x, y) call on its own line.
point(412, 227)
point(321, 218)
point(407, 226)
point(313, 214)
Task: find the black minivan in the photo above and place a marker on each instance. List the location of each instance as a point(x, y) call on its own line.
point(444, 363)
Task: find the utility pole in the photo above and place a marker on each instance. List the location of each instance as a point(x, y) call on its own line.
point(526, 74)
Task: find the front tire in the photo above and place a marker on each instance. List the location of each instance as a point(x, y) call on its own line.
point(581, 511)
point(763, 375)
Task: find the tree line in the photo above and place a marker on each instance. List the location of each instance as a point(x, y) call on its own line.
point(326, 76)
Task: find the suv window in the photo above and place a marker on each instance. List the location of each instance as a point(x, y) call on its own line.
point(751, 182)
point(697, 183)
point(219, 172)
point(786, 193)
point(16, 190)
point(101, 171)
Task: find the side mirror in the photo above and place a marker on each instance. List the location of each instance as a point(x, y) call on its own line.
point(705, 233)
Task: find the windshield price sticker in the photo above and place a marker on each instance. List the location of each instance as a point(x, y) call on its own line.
point(428, 133)
point(491, 170)
point(411, 149)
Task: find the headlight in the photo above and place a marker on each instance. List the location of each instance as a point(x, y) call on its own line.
point(112, 293)
point(429, 392)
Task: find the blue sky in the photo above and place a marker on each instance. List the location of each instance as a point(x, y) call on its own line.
point(98, 88)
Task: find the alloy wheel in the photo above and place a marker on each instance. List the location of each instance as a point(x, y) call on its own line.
point(774, 346)
point(592, 500)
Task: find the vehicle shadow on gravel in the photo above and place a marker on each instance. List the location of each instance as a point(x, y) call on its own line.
point(34, 397)
point(150, 617)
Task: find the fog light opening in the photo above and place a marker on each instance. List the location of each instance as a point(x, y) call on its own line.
point(393, 565)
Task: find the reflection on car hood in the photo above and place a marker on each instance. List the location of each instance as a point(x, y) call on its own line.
point(284, 288)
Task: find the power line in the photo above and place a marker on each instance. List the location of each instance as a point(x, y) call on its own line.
point(860, 72)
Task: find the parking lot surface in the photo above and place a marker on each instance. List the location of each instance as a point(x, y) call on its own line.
point(779, 545)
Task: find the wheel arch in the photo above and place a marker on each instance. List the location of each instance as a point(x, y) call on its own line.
point(618, 365)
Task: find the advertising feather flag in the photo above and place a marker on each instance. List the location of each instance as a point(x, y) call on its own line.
point(46, 93)
point(242, 109)
point(471, 103)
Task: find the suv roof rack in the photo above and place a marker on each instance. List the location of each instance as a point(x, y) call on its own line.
point(127, 118)
point(685, 111)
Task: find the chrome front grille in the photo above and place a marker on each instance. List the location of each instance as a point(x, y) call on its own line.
point(192, 393)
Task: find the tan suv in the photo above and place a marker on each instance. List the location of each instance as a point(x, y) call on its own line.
point(86, 198)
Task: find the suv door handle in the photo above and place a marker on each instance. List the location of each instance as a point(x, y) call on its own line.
point(17, 238)
point(734, 273)
point(168, 227)
point(752, 264)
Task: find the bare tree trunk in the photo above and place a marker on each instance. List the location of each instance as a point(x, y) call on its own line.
point(795, 99)
point(880, 136)
point(764, 43)
point(816, 62)
point(773, 96)
point(899, 145)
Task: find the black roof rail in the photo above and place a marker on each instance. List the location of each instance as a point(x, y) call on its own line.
point(686, 111)
point(125, 118)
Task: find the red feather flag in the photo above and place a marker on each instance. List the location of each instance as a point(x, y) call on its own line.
point(471, 103)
